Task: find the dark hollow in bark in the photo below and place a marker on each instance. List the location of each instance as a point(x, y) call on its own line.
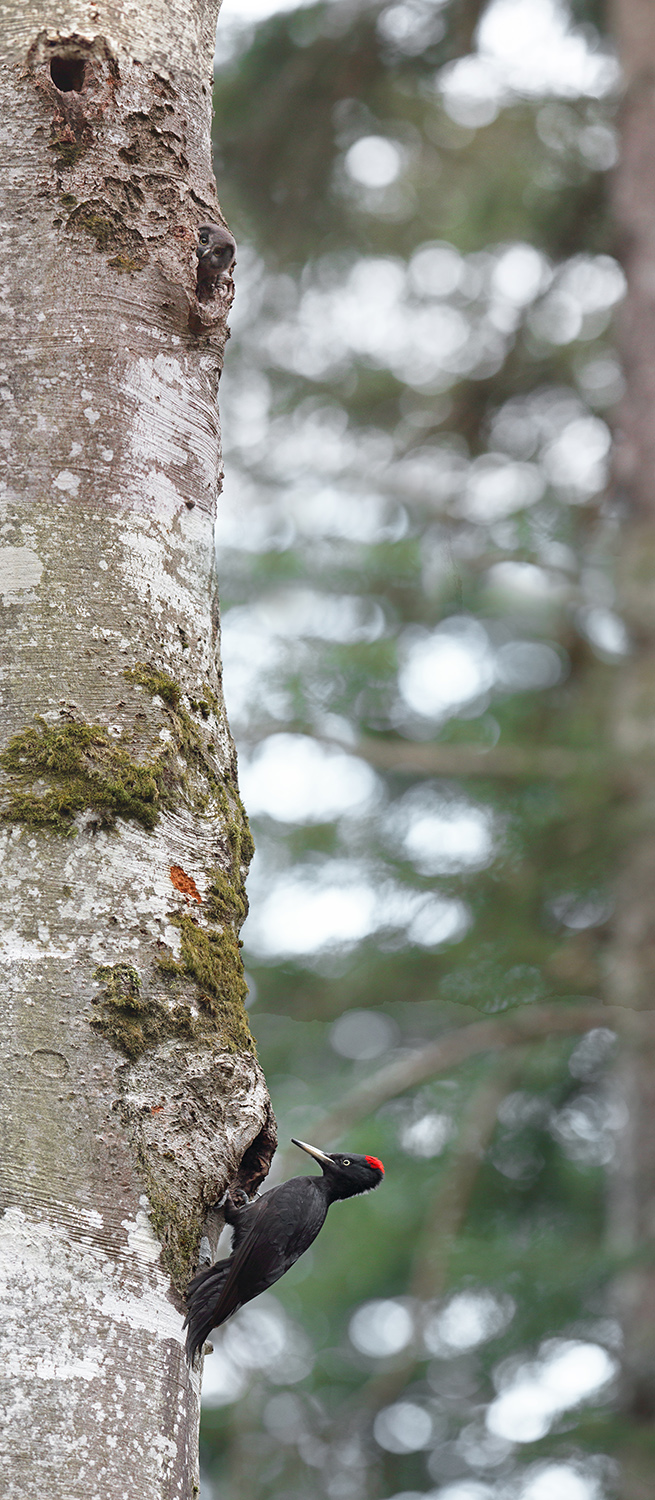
point(68, 74)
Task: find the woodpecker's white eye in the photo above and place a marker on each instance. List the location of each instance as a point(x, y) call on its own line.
point(346, 1161)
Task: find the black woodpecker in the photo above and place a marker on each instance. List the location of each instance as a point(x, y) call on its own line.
point(216, 252)
point(269, 1236)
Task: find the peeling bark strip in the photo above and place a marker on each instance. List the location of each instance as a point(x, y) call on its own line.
point(131, 1095)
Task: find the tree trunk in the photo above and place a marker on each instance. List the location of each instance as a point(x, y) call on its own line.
point(131, 1092)
point(632, 960)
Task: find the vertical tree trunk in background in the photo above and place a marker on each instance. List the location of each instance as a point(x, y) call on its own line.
point(632, 961)
point(131, 1094)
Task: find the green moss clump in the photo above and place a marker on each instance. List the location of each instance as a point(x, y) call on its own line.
point(178, 1232)
point(213, 960)
point(98, 226)
point(112, 235)
point(169, 966)
point(187, 735)
point(193, 748)
point(130, 1023)
point(83, 768)
point(241, 840)
point(207, 704)
point(126, 263)
point(211, 957)
point(159, 684)
point(201, 706)
point(226, 903)
point(67, 152)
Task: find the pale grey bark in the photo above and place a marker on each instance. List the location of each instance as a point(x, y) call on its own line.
point(130, 1091)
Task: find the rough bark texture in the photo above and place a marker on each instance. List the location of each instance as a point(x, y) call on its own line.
point(131, 1093)
point(632, 962)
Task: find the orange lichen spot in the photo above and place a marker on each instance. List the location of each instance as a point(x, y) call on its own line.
point(156, 1109)
point(184, 883)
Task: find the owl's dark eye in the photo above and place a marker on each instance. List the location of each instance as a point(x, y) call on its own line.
point(204, 239)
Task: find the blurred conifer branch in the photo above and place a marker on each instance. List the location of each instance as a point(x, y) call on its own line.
point(516, 762)
point(536, 1024)
point(447, 1211)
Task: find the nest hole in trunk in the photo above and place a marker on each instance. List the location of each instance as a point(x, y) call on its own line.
point(68, 74)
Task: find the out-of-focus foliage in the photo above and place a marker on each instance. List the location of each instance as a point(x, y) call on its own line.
point(415, 560)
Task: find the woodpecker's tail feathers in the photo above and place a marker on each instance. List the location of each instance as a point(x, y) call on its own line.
point(203, 1295)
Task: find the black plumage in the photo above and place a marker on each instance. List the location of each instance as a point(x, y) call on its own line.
point(269, 1236)
point(216, 251)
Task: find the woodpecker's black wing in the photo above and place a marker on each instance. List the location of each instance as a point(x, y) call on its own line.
point(203, 1290)
point(270, 1235)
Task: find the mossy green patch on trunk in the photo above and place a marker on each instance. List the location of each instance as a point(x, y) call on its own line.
point(192, 746)
point(67, 152)
point(226, 902)
point(211, 957)
point(178, 1232)
point(81, 768)
point(204, 706)
point(188, 739)
point(133, 1023)
point(213, 960)
point(58, 771)
point(159, 684)
point(239, 836)
point(130, 1023)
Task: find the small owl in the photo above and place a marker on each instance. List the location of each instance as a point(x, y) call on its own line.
point(216, 252)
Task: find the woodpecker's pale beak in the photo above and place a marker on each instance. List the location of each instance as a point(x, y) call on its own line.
point(314, 1151)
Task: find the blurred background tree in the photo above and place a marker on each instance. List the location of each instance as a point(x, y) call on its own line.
point(421, 642)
